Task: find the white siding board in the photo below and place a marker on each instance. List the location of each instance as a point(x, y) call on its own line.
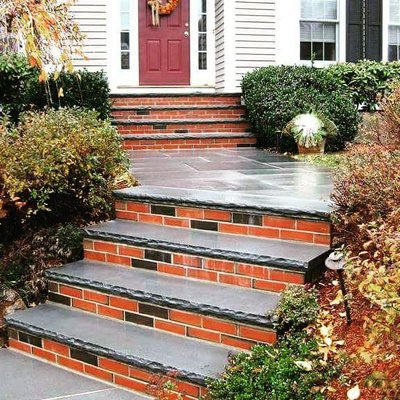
point(91, 15)
point(219, 45)
point(255, 35)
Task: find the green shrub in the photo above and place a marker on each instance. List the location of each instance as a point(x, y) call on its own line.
point(297, 308)
point(274, 95)
point(20, 89)
point(367, 80)
point(61, 163)
point(81, 89)
point(274, 372)
point(18, 85)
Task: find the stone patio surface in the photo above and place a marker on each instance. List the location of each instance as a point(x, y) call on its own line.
point(24, 378)
point(247, 171)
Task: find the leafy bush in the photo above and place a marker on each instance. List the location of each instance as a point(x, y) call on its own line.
point(23, 263)
point(276, 94)
point(366, 189)
point(367, 80)
point(20, 89)
point(297, 308)
point(287, 371)
point(60, 163)
point(82, 89)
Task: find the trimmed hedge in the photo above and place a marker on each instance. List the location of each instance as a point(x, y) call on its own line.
point(274, 95)
point(20, 89)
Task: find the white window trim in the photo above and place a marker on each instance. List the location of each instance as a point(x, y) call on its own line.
point(288, 42)
point(123, 80)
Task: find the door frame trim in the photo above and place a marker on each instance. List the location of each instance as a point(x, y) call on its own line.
point(128, 80)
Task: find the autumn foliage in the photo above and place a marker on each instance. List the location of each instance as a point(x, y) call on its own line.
point(47, 30)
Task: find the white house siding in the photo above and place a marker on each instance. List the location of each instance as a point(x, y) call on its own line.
point(219, 45)
point(245, 38)
point(255, 35)
point(91, 16)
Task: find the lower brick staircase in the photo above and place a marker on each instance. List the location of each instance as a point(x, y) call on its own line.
point(173, 286)
point(182, 122)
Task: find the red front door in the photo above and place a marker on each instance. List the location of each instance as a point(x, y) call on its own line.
point(164, 50)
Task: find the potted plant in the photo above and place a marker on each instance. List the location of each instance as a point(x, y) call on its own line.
point(310, 131)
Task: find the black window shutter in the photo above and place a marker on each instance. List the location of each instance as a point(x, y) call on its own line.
point(355, 22)
point(374, 30)
point(364, 30)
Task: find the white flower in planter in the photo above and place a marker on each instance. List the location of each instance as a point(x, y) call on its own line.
point(310, 130)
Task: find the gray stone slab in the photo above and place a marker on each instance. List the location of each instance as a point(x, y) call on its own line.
point(239, 165)
point(283, 254)
point(25, 378)
point(224, 301)
point(240, 161)
point(138, 346)
point(275, 171)
point(110, 394)
point(291, 205)
point(265, 157)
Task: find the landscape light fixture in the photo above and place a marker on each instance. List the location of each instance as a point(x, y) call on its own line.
point(336, 262)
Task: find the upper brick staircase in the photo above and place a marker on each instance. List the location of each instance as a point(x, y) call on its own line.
point(182, 122)
point(183, 277)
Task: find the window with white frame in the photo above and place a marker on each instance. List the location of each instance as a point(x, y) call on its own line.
point(125, 33)
point(394, 30)
point(319, 26)
point(202, 32)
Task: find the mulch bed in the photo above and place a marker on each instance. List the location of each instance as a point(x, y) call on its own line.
point(356, 371)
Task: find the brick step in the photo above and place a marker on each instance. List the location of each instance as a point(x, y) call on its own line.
point(217, 313)
point(126, 355)
point(176, 99)
point(178, 112)
point(269, 217)
point(132, 127)
point(189, 141)
point(263, 264)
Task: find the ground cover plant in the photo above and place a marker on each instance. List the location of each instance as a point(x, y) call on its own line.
point(274, 95)
point(21, 90)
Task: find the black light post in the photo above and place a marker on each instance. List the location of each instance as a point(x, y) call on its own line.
point(336, 262)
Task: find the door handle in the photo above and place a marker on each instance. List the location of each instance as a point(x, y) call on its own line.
point(186, 33)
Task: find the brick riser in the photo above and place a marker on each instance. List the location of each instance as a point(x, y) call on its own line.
point(194, 267)
point(234, 127)
point(185, 144)
point(264, 226)
point(99, 367)
point(210, 329)
point(180, 114)
point(176, 101)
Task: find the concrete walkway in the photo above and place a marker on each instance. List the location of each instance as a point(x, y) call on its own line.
point(25, 378)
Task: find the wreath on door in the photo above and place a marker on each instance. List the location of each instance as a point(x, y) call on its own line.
point(158, 8)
